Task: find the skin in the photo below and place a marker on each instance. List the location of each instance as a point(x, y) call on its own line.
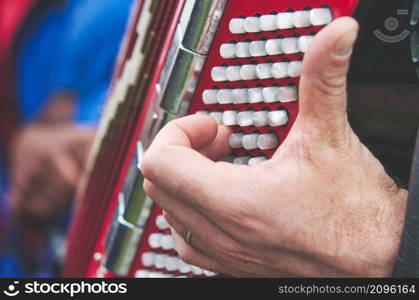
point(47, 161)
point(322, 206)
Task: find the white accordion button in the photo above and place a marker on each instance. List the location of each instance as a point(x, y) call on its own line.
point(233, 73)
point(274, 47)
point(184, 267)
point(167, 242)
point(228, 51)
point(257, 160)
point(277, 118)
point(209, 273)
point(160, 261)
point(237, 26)
point(301, 19)
point(285, 20)
point(304, 42)
point(248, 72)
point(270, 94)
point(155, 275)
point(225, 96)
point(260, 118)
point(147, 259)
point(257, 48)
point(255, 95)
point(245, 118)
point(235, 140)
point(218, 116)
point(210, 97)
point(280, 70)
point(141, 274)
point(287, 94)
point(320, 16)
point(250, 141)
point(295, 68)
point(197, 271)
point(219, 74)
point(290, 45)
point(172, 263)
point(263, 71)
point(240, 96)
point(267, 141)
point(268, 23)
point(155, 240)
point(251, 24)
point(161, 223)
point(244, 160)
point(229, 118)
point(242, 49)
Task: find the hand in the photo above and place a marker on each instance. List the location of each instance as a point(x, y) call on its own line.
point(47, 162)
point(322, 206)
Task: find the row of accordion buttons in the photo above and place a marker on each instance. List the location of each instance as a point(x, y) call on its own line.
point(278, 46)
point(250, 95)
point(285, 20)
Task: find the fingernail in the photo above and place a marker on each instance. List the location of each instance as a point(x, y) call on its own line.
point(346, 43)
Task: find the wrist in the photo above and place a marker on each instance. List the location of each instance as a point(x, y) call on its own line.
point(392, 224)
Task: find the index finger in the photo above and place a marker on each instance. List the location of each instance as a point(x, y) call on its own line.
point(174, 164)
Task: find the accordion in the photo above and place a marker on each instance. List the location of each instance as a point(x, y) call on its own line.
point(238, 61)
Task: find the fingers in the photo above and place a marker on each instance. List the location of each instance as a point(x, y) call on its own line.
point(66, 167)
point(47, 167)
point(194, 132)
point(44, 196)
point(323, 81)
point(174, 164)
point(205, 230)
point(82, 140)
point(195, 257)
point(220, 146)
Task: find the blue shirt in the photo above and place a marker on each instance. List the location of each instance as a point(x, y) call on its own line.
point(71, 48)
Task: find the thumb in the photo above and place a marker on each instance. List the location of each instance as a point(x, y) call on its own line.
point(323, 97)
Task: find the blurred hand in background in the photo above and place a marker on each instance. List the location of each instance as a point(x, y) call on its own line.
point(56, 60)
point(47, 161)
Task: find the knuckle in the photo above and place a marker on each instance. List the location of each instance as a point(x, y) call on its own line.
point(246, 222)
point(230, 251)
point(331, 85)
point(238, 253)
point(148, 188)
point(148, 163)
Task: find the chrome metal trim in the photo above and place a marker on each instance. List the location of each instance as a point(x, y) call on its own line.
point(191, 56)
point(203, 25)
point(183, 82)
point(128, 226)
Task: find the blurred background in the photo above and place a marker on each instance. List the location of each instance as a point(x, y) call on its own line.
point(56, 63)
